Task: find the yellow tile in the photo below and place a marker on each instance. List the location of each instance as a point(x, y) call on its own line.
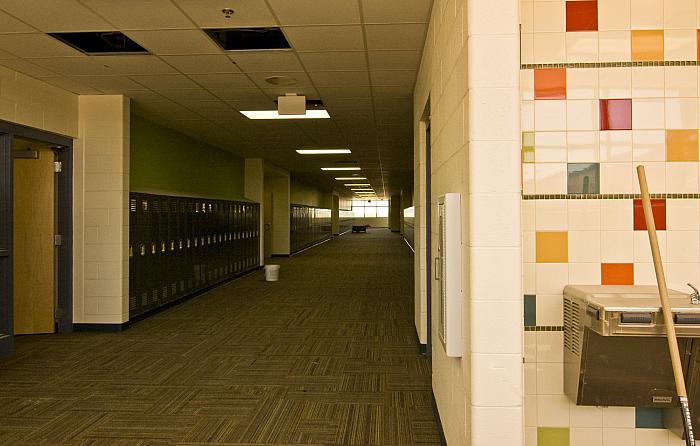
point(647, 45)
point(681, 145)
point(552, 247)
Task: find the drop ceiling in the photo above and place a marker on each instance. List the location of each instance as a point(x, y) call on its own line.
point(360, 57)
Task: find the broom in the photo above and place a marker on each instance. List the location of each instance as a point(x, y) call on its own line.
point(666, 310)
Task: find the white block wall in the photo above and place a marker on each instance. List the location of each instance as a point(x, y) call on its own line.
point(101, 216)
point(469, 73)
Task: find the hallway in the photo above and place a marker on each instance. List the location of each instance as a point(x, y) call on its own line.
point(328, 355)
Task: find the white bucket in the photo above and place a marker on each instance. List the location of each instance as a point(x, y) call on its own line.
point(272, 273)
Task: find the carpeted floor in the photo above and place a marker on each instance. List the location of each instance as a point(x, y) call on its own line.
point(326, 356)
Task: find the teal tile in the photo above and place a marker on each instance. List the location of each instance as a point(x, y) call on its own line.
point(530, 310)
point(583, 178)
point(649, 418)
point(552, 436)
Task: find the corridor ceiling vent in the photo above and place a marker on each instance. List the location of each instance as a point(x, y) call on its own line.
point(281, 81)
point(249, 39)
point(100, 43)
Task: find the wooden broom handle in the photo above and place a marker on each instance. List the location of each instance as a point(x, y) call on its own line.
point(661, 281)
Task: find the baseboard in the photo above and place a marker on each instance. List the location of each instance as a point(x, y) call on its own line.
point(438, 422)
point(7, 345)
point(101, 328)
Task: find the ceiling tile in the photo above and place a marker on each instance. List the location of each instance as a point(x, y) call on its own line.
point(9, 24)
point(394, 60)
point(395, 37)
point(238, 94)
point(316, 12)
point(27, 68)
point(70, 85)
point(207, 13)
point(222, 80)
point(141, 96)
point(138, 64)
point(56, 16)
point(345, 92)
point(188, 95)
point(339, 78)
point(140, 14)
point(202, 63)
point(396, 11)
point(261, 102)
point(397, 78)
point(308, 91)
point(111, 83)
point(325, 38)
point(175, 41)
point(35, 45)
point(250, 62)
point(74, 66)
point(165, 82)
point(392, 92)
point(334, 60)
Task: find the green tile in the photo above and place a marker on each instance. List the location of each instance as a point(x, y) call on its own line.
point(583, 178)
point(530, 310)
point(552, 436)
point(649, 418)
point(528, 139)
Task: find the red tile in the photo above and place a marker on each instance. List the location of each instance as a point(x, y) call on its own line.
point(550, 83)
point(658, 208)
point(617, 274)
point(616, 114)
point(582, 16)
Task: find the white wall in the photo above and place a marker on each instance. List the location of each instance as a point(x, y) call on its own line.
point(100, 214)
point(470, 73)
point(254, 189)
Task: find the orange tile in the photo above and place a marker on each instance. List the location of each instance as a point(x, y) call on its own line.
point(552, 247)
point(681, 145)
point(647, 45)
point(617, 273)
point(550, 83)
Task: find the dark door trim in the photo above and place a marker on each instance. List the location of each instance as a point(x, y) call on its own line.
point(428, 244)
point(64, 226)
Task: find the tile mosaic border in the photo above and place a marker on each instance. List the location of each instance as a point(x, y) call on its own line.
point(544, 328)
point(654, 63)
point(607, 196)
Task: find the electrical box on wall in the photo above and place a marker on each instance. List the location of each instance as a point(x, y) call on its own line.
point(448, 272)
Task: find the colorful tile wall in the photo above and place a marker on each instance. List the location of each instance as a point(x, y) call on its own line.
point(605, 86)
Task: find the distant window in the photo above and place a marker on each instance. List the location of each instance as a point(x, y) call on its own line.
point(369, 209)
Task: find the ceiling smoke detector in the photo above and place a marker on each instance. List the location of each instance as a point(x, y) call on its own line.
point(228, 12)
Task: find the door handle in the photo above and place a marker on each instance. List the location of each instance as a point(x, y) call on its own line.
point(437, 269)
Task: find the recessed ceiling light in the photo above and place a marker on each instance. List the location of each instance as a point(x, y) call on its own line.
point(357, 184)
point(322, 151)
point(350, 178)
point(273, 114)
point(340, 168)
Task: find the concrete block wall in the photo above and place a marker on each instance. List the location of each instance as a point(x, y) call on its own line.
point(101, 216)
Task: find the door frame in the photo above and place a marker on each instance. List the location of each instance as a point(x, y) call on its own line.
point(64, 227)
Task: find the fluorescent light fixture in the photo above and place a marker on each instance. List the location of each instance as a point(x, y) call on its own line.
point(322, 151)
point(273, 114)
point(363, 190)
point(356, 184)
point(340, 168)
point(350, 178)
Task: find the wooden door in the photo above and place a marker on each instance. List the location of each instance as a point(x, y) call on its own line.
point(33, 232)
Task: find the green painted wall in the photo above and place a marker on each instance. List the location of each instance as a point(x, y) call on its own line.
point(302, 193)
point(166, 162)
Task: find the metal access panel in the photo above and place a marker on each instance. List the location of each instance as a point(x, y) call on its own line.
point(615, 350)
point(181, 245)
point(448, 266)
